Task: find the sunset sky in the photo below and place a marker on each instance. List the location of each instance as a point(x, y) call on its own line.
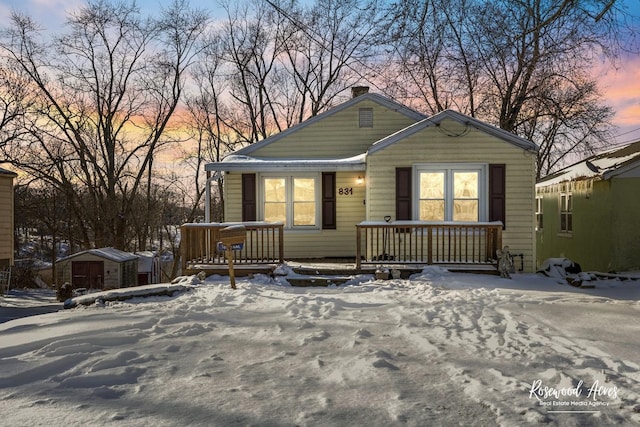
point(621, 85)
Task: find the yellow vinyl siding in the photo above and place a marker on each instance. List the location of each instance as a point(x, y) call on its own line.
point(6, 219)
point(233, 197)
point(340, 242)
point(433, 145)
point(337, 136)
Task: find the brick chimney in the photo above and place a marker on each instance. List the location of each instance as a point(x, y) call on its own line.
point(359, 90)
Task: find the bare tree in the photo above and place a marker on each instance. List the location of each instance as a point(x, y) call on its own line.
point(208, 115)
point(524, 65)
point(15, 99)
point(42, 210)
point(421, 45)
point(250, 52)
point(328, 46)
point(285, 62)
point(106, 92)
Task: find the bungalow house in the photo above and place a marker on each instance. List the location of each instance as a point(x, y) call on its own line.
point(343, 182)
point(105, 268)
point(588, 212)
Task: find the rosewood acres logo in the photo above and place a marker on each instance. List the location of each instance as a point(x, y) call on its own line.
point(574, 398)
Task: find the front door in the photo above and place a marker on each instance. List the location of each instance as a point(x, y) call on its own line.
point(87, 274)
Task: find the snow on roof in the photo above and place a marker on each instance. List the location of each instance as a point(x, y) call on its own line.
point(234, 162)
point(146, 260)
point(604, 165)
point(108, 253)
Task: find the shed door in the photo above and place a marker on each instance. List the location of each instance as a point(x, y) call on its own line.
point(87, 274)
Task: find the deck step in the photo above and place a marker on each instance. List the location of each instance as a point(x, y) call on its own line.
point(317, 281)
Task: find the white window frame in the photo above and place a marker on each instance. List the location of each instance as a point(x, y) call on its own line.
point(289, 198)
point(539, 213)
point(449, 169)
point(566, 211)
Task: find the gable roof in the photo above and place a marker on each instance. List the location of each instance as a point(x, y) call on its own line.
point(437, 119)
point(605, 165)
point(374, 97)
point(111, 254)
point(242, 160)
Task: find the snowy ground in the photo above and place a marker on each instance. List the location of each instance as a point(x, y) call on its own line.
point(440, 349)
point(20, 303)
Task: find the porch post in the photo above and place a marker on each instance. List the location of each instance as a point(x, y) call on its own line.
point(281, 242)
point(358, 249)
point(207, 195)
point(429, 245)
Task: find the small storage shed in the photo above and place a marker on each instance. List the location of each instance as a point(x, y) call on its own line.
point(104, 268)
point(149, 268)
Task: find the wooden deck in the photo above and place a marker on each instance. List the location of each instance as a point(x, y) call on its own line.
point(407, 246)
point(420, 242)
point(262, 249)
point(324, 272)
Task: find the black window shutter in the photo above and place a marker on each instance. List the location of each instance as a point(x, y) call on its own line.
point(249, 197)
point(403, 194)
point(329, 200)
point(497, 193)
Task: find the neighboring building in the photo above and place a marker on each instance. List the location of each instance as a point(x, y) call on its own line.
point(149, 267)
point(6, 218)
point(371, 158)
point(589, 212)
point(105, 268)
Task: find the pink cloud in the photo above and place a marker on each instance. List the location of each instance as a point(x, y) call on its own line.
point(621, 89)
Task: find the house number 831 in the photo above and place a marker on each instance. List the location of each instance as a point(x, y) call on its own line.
point(345, 191)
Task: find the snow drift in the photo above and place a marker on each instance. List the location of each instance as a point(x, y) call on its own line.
point(438, 349)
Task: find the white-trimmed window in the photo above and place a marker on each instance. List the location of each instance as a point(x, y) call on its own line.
point(292, 200)
point(451, 192)
point(566, 212)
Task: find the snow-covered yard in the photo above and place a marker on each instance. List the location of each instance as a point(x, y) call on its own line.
point(438, 349)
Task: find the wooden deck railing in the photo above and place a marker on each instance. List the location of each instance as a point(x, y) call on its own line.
point(264, 244)
point(419, 242)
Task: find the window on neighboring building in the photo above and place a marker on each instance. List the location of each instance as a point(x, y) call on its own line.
point(455, 193)
point(566, 212)
point(539, 216)
point(365, 117)
point(291, 200)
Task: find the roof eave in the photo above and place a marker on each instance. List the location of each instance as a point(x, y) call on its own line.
point(6, 172)
point(289, 166)
point(612, 173)
point(460, 118)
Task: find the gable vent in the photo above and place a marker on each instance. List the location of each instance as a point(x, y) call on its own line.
point(365, 117)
